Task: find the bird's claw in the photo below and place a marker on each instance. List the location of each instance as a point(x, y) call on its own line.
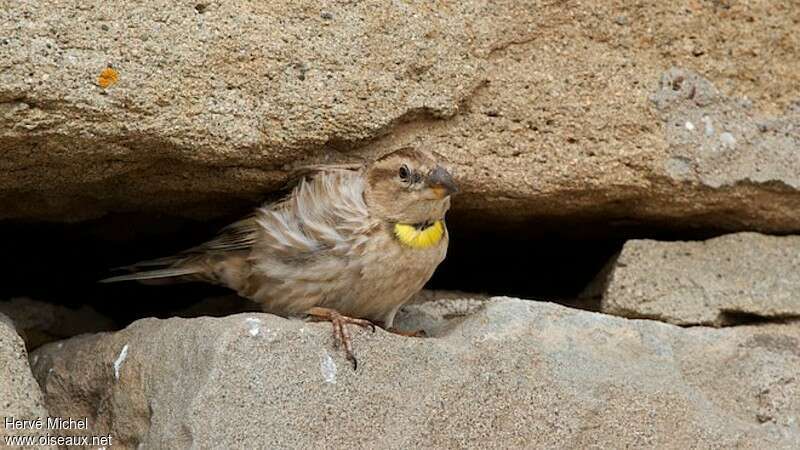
point(341, 334)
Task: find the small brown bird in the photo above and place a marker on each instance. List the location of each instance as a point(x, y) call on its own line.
point(349, 244)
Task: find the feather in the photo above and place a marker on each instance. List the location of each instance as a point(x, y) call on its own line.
point(153, 274)
point(325, 205)
point(235, 237)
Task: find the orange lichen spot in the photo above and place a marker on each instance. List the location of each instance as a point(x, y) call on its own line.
point(108, 77)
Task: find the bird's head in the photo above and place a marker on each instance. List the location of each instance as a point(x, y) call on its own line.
point(409, 186)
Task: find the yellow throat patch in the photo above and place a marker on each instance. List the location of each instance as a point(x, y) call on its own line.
point(419, 238)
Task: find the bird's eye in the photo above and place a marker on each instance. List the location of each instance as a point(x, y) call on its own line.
point(404, 173)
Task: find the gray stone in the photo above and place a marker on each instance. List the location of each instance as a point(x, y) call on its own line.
point(20, 396)
point(722, 140)
point(512, 374)
point(40, 322)
point(720, 281)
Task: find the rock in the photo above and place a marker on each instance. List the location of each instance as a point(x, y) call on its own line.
point(39, 322)
point(512, 374)
point(233, 304)
point(435, 315)
point(718, 141)
point(202, 107)
point(541, 108)
point(218, 306)
point(20, 396)
point(720, 281)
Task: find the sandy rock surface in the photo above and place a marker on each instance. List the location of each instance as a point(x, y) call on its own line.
point(715, 282)
point(20, 396)
point(568, 120)
point(511, 373)
point(543, 109)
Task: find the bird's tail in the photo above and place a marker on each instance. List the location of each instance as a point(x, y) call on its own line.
point(169, 269)
point(196, 263)
point(171, 272)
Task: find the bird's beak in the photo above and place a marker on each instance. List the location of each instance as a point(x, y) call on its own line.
point(441, 182)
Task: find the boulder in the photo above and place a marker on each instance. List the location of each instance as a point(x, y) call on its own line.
point(40, 322)
point(496, 373)
point(720, 281)
point(543, 109)
point(20, 397)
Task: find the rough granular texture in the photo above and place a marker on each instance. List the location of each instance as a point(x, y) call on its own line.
point(544, 109)
point(513, 373)
point(20, 396)
point(715, 282)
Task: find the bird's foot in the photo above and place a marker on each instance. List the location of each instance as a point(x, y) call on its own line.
point(341, 335)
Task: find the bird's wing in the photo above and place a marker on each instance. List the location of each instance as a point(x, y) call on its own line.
point(193, 263)
point(324, 207)
point(240, 235)
point(324, 212)
point(312, 169)
point(243, 234)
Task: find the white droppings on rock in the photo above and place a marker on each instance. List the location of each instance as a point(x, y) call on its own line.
point(689, 126)
point(120, 359)
point(253, 326)
point(328, 368)
point(727, 139)
point(709, 128)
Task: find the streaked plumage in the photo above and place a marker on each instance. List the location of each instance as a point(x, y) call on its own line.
point(358, 240)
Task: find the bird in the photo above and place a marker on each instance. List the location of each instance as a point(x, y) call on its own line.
point(349, 244)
